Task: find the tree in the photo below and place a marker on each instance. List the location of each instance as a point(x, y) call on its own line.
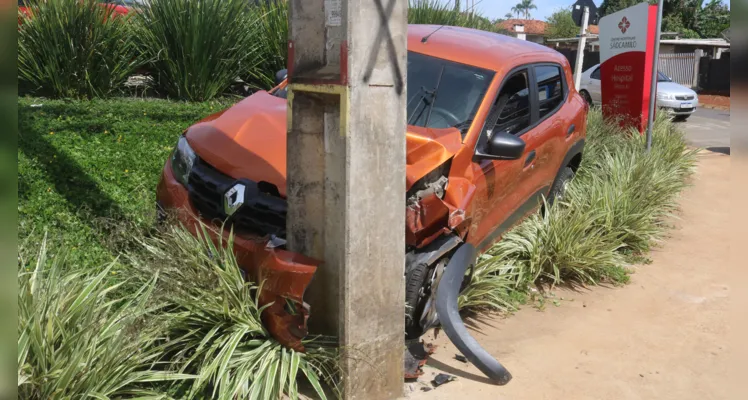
point(561, 25)
point(524, 7)
point(508, 15)
point(517, 10)
point(713, 19)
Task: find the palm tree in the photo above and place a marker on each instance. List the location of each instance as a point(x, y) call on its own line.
point(517, 9)
point(508, 16)
point(526, 6)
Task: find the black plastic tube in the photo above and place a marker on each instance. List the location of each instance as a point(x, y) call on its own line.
point(451, 322)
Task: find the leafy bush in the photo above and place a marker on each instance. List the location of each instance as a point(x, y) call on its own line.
point(214, 323)
point(80, 337)
point(614, 209)
point(196, 49)
point(74, 48)
point(271, 37)
point(436, 12)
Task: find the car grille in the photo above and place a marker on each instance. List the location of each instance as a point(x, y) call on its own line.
point(263, 212)
point(684, 97)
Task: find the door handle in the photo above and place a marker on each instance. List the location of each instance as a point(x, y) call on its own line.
point(530, 158)
point(571, 130)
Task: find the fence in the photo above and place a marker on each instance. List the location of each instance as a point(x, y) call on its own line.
point(680, 67)
point(714, 75)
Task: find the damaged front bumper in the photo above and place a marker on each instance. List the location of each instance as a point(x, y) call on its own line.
point(283, 276)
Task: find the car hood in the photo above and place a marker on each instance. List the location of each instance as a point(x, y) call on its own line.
point(249, 141)
point(673, 88)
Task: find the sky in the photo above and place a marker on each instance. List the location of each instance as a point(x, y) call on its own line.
point(498, 8)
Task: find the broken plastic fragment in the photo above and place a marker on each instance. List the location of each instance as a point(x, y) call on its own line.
point(442, 379)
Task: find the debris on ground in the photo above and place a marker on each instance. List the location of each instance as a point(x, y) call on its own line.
point(416, 355)
point(442, 379)
point(461, 358)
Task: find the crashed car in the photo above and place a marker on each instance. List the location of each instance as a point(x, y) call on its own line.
point(494, 125)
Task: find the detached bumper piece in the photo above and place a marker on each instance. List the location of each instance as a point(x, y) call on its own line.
point(451, 322)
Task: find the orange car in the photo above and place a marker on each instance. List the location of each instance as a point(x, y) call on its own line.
point(494, 124)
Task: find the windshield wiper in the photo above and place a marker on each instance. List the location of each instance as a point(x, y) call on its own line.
point(422, 98)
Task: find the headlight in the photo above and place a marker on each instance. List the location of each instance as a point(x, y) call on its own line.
point(182, 160)
point(665, 96)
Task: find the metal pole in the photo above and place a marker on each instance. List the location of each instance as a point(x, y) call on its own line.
point(580, 49)
point(655, 68)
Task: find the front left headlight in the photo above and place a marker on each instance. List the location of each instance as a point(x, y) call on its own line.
point(182, 160)
point(665, 96)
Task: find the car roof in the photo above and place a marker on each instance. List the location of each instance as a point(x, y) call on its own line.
point(479, 48)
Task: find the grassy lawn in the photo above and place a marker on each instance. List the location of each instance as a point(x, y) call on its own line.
point(87, 170)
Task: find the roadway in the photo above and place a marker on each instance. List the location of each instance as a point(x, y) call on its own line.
point(709, 128)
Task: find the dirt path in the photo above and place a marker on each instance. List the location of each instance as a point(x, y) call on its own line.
point(664, 336)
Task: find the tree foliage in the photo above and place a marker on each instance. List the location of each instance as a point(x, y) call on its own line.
point(561, 25)
point(690, 18)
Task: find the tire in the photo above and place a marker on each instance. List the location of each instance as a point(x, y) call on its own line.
point(586, 97)
point(415, 280)
point(559, 186)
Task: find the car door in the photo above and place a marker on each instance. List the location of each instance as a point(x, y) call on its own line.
point(499, 193)
point(545, 141)
point(593, 86)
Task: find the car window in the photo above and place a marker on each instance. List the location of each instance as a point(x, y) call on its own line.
point(550, 88)
point(443, 94)
point(511, 111)
point(662, 77)
point(595, 74)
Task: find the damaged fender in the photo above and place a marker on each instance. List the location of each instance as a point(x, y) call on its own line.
point(451, 322)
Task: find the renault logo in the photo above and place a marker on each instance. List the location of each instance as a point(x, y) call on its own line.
point(233, 199)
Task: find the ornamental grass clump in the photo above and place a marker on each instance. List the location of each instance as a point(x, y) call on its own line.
point(74, 49)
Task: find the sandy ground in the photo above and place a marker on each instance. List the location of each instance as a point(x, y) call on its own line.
point(664, 336)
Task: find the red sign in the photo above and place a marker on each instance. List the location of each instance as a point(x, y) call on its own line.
point(626, 52)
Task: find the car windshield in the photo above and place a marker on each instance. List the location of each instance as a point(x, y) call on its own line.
point(662, 77)
point(443, 94)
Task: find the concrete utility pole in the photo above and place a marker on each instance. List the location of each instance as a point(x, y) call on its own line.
point(580, 49)
point(346, 179)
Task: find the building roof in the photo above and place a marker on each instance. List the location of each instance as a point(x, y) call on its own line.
point(534, 26)
point(475, 47)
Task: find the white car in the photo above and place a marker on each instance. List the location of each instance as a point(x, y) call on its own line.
point(678, 100)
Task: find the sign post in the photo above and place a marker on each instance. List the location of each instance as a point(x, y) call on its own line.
point(580, 49)
point(627, 51)
point(655, 65)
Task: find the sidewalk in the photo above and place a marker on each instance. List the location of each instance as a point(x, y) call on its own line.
point(663, 336)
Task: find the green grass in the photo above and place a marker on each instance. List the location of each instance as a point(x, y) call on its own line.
point(87, 170)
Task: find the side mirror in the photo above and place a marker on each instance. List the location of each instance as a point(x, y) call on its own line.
point(505, 146)
point(280, 76)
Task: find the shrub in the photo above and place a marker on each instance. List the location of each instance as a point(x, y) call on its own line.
point(614, 209)
point(436, 12)
point(271, 37)
point(74, 48)
point(79, 336)
point(214, 323)
point(197, 49)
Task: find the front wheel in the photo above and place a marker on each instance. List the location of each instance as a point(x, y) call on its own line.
point(416, 285)
point(558, 191)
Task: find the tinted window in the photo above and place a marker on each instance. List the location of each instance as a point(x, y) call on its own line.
point(595, 74)
point(662, 77)
point(443, 94)
point(511, 112)
point(550, 89)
